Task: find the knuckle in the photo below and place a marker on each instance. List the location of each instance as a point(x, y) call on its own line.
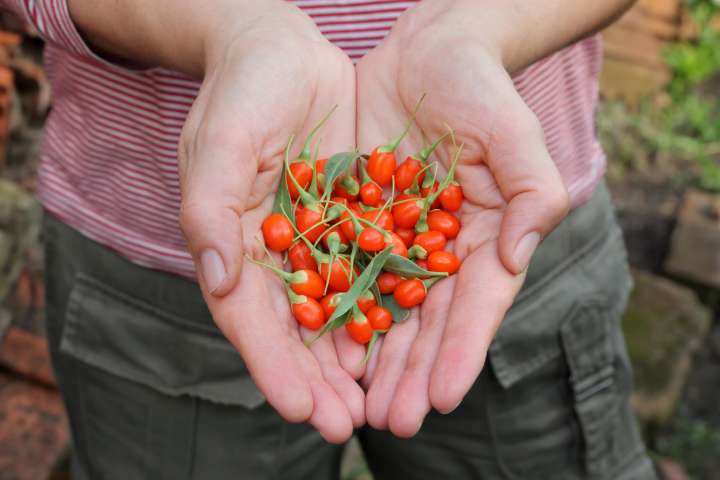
point(190, 218)
point(558, 200)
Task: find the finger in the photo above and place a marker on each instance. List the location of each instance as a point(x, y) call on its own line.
point(484, 291)
point(344, 385)
point(330, 415)
point(411, 402)
point(335, 408)
point(391, 364)
point(217, 171)
point(320, 365)
point(530, 183)
point(350, 353)
point(247, 318)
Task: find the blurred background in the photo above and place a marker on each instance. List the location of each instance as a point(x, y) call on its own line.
point(659, 121)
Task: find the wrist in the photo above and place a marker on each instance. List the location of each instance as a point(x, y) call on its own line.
point(486, 24)
point(239, 27)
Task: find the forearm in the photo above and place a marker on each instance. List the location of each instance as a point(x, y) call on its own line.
point(177, 34)
point(530, 30)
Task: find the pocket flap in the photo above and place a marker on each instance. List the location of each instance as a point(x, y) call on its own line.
point(134, 340)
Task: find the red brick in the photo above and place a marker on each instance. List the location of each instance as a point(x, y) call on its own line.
point(27, 355)
point(9, 39)
point(34, 433)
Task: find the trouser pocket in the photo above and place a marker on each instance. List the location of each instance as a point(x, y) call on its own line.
point(144, 386)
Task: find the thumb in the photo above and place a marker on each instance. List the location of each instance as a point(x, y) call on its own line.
point(217, 171)
point(531, 185)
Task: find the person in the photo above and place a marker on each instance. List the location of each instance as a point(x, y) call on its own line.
point(179, 109)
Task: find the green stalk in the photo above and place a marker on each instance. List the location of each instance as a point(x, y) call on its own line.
point(392, 146)
point(305, 154)
point(425, 153)
point(422, 225)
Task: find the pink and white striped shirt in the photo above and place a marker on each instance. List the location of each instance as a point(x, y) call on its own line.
point(109, 166)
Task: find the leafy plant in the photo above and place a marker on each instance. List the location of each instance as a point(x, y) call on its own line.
point(694, 61)
point(688, 128)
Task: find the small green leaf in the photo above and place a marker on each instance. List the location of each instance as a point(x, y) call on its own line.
point(337, 165)
point(376, 292)
point(399, 314)
point(283, 202)
point(407, 268)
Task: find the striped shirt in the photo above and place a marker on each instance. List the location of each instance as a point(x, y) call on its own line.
point(109, 166)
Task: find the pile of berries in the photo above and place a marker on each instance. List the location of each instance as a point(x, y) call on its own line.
point(358, 259)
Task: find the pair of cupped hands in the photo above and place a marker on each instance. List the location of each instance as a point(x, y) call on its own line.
point(276, 79)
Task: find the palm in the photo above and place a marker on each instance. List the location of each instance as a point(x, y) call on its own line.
point(231, 163)
point(433, 359)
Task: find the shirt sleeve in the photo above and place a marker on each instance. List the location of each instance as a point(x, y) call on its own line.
point(51, 18)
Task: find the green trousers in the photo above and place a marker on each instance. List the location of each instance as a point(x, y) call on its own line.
point(154, 391)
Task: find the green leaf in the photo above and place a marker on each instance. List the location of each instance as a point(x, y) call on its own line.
point(376, 292)
point(399, 313)
point(370, 347)
point(407, 268)
point(350, 298)
point(283, 202)
point(337, 165)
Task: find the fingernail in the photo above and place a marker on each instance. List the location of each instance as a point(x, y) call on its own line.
point(525, 249)
point(450, 410)
point(213, 269)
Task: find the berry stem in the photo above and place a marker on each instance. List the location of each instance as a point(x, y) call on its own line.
point(392, 146)
point(305, 154)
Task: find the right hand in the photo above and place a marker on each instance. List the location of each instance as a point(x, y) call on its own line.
point(268, 76)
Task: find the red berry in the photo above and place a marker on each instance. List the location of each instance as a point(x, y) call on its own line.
point(301, 257)
point(387, 281)
point(371, 194)
point(444, 222)
point(371, 240)
point(407, 211)
point(366, 301)
point(380, 318)
point(309, 314)
point(308, 283)
point(381, 166)
point(303, 175)
point(431, 241)
point(382, 219)
point(330, 302)
point(452, 197)
point(399, 247)
point(410, 293)
point(443, 262)
point(427, 191)
point(406, 173)
point(347, 226)
point(338, 274)
point(277, 232)
point(309, 223)
point(359, 328)
point(407, 235)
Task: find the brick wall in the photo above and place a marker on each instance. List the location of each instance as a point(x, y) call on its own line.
point(634, 65)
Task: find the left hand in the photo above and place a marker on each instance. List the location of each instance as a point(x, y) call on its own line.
point(514, 196)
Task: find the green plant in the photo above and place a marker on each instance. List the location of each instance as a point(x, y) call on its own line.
point(690, 125)
point(694, 444)
point(694, 61)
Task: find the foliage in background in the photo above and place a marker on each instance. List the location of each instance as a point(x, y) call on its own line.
point(692, 121)
point(696, 445)
point(687, 128)
point(692, 62)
